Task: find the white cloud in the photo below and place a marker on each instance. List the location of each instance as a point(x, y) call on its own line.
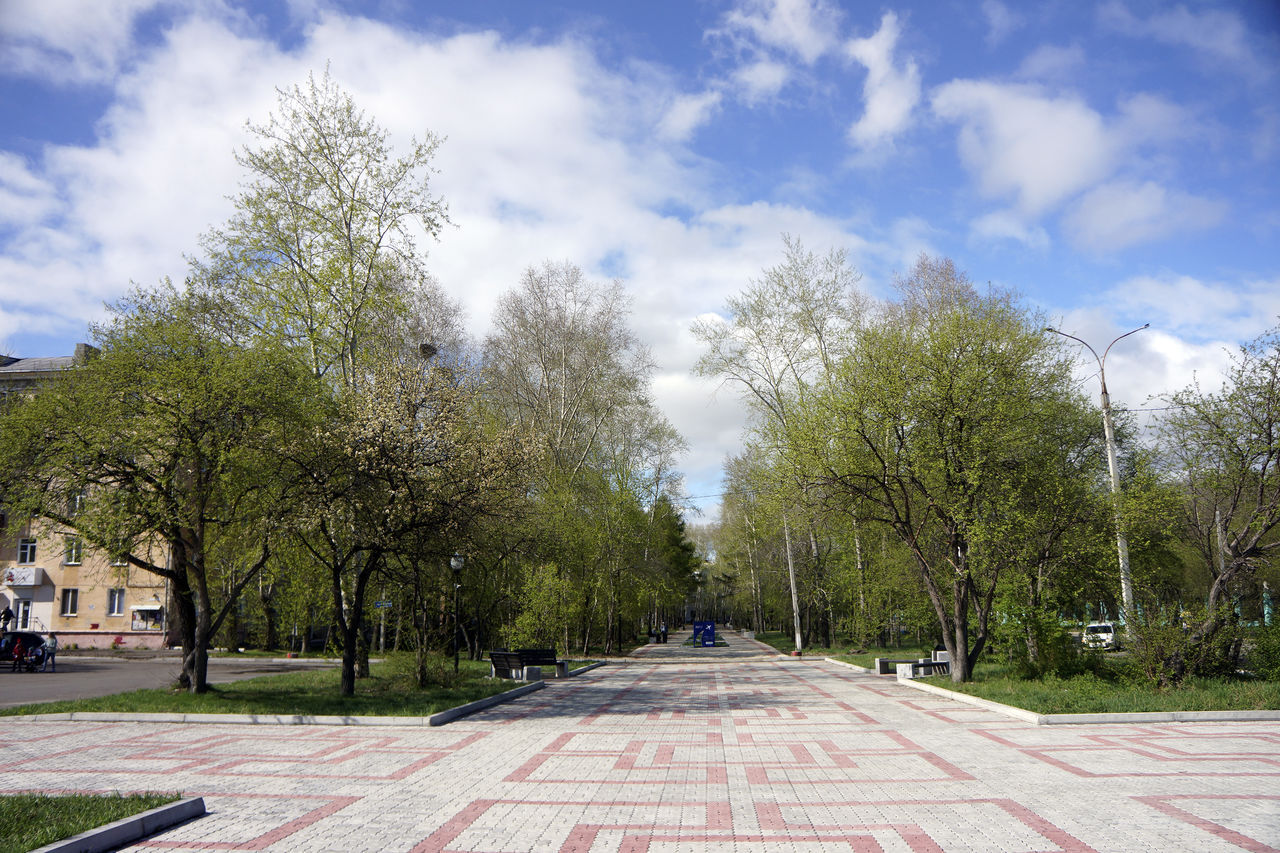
point(761, 80)
point(686, 114)
point(1121, 213)
point(25, 197)
point(1000, 20)
point(802, 28)
point(68, 41)
point(1003, 225)
point(1052, 62)
point(1198, 310)
point(1217, 35)
point(1021, 143)
point(890, 93)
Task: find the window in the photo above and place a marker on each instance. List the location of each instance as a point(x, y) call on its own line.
point(120, 559)
point(72, 550)
point(70, 601)
point(26, 550)
point(75, 503)
point(115, 602)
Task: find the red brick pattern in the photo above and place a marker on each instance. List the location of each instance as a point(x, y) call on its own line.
point(742, 755)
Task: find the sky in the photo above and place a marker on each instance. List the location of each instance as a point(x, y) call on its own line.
point(1115, 162)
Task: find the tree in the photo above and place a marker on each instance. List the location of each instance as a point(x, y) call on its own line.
point(1225, 449)
point(409, 455)
point(170, 433)
point(785, 333)
point(321, 246)
point(937, 424)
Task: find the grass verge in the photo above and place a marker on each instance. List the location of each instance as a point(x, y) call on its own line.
point(785, 643)
point(390, 690)
point(28, 821)
point(1090, 694)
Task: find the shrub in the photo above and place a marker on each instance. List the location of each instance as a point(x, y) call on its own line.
point(1167, 651)
point(1264, 657)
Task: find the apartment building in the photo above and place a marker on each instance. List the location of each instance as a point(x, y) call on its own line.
point(53, 581)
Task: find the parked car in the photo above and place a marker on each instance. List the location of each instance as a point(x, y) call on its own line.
point(1101, 635)
point(32, 644)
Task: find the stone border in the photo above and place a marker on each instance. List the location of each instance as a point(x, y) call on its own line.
point(127, 830)
point(1083, 719)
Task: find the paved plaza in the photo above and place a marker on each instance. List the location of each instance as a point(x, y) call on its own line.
point(684, 750)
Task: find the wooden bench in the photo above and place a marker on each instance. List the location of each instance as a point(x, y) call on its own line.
point(544, 657)
point(505, 664)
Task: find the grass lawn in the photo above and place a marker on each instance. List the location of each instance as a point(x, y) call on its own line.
point(865, 656)
point(1089, 694)
point(389, 691)
point(28, 821)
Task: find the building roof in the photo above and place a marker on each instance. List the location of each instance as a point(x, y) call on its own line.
point(38, 365)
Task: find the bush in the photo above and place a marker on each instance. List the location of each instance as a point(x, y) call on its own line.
point(1058, 653)
point(1166, 651)
point(1264, 657)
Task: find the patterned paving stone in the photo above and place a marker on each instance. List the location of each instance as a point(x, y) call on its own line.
point(679, 751)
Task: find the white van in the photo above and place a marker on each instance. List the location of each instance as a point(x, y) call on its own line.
point(1101, 635)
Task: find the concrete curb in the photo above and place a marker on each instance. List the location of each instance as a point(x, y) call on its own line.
point(117, 834)
point(1096, 719)
point(850, 665)
point(587, 668)
point(480, 704)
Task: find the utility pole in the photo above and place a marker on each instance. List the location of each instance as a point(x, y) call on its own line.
point(1113, 466)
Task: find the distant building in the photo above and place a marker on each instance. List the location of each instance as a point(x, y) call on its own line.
point(52, 580)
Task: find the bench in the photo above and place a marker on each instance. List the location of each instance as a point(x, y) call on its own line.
point(521, 664)
point(914, 669)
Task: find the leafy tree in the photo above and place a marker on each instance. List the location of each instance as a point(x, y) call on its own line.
point(939, 424)
point(784, 335)
point(172, 434)
point(1224, 447)
point(320, 249)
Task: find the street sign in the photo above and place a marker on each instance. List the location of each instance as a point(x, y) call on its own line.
point(704, 634)
point(382, 604)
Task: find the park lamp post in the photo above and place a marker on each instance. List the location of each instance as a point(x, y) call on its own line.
point(455, 563)
point(1122, 544)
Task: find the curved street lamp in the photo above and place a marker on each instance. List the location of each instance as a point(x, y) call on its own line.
point(1122, 544)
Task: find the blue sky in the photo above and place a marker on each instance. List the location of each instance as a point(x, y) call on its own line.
point(1117, 162)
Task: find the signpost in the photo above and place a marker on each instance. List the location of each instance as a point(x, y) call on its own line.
point(704, 634)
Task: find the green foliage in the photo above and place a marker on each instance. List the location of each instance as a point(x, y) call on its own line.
point(1264, 657)
point(1168, 649)
point(546, 609)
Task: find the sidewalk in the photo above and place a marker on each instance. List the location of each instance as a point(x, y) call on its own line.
point(738, 754)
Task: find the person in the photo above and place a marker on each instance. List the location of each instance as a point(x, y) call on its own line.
point(664, 632)
point(6, 616)
point(50, 653)
point(18, 653)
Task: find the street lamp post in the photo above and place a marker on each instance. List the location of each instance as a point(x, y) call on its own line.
point(455, 563)
point(1122, 544)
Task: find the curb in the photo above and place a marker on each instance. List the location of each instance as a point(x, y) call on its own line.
point(1096, 719)
point(587, 668)
point(118, 833)
point(480, 704)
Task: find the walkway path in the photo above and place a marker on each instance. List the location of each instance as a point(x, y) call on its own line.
point(752, 754)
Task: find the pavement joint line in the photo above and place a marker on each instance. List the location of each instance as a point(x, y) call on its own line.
point(1253, 716)
point(112, 836)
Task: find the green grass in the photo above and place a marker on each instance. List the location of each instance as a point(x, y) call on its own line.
point(389, 691)
point(1090, 694)
point(28, 821)
point(864, 656)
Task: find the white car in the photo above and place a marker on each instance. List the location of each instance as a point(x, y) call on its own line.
point(1101, 635)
